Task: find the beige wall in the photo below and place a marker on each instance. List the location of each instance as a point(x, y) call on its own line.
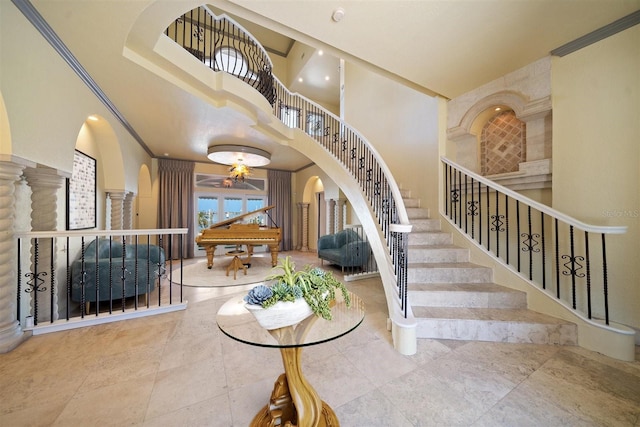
point(401, 124)
point(46, 108)
point(596, 154)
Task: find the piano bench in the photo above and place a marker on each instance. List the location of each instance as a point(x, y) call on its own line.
point(236, 263)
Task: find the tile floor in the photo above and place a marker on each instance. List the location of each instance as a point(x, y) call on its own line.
point(178, 369)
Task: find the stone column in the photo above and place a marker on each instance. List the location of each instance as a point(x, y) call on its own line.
point(299, 216)
point(331, 216)
point(340, 205)
point(11, 334)
point(305, 227)
point(539, 136)
point(44, 183)
point(127, 211)
point(117, 199)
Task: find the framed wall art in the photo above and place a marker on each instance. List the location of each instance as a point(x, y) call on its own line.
point(81, 193)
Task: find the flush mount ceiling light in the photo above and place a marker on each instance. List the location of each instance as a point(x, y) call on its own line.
point(238, 154)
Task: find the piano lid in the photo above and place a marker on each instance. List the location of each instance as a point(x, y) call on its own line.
point(239, 217)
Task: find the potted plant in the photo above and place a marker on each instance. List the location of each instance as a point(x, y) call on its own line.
point(294, 295)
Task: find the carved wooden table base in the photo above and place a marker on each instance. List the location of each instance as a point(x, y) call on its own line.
point(293, 400)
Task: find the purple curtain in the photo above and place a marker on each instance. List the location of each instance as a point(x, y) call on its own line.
point(279, 195)
point(175, 206)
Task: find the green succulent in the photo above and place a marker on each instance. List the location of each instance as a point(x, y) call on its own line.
point(315, 285)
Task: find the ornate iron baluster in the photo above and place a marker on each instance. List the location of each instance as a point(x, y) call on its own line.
point(34, 281)
point(572, 265)
point(530, 243)
point(497, 222)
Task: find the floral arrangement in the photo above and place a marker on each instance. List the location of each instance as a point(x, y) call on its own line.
point(315, 285)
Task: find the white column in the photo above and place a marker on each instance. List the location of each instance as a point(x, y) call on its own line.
point(331, 216)
point(11, 334)
point(44, 183)
point(305, 227)
point(127, 211)
point(117, 199)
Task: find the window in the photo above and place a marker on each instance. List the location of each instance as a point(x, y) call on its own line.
point(206, 181)
point(213, 208)
point(232, 61)
point(290, 116)
point(315, 124)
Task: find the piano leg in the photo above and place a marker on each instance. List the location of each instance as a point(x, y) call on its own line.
point(210, 250)
point(274, 254)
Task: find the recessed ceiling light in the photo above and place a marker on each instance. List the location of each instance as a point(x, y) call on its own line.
point(320, 52)
point(326, 78)
point(300, 79)
point(93, 118)
point(498, 108)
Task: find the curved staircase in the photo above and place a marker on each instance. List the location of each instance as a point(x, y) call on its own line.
point(454, 299)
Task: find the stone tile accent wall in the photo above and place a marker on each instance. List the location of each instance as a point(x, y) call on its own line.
point(502, 144)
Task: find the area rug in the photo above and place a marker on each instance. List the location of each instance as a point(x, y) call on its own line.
point(198, 275)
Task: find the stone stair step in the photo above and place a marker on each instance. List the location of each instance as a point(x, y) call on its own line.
point(405, 193)
point(411, 203)
point(425, 224)
point(490, 324)
point(417, 213)
point(429, 238)
point(469, 295)
point(462, 272)
point(437, 253)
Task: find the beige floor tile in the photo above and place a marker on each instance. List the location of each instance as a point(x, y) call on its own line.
point(178, 369)
point(123, 403)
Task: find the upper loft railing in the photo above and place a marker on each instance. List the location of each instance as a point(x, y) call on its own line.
point(559, 254)
point(223, 45)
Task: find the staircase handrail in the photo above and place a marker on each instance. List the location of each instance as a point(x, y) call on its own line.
point(359, 158)
point(537, 205)
point(547, 249)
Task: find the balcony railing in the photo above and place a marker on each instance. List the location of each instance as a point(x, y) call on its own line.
point(224, 45)
point(70, 279)
point(557, 253)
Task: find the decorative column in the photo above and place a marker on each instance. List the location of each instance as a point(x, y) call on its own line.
point(117, 199)
point(11, 334)
point(127, 211)
point(331, 216)
point(340, 214)
point(305, 227)
point(299, 216)
point(44, 183)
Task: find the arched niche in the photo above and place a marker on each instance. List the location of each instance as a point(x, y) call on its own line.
point(534, 171)
point(145, 216)
point(111, 161)
point(315, 211)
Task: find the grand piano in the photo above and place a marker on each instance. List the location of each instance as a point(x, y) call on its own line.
point(230, 232)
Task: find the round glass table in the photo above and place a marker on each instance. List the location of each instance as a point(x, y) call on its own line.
point(293, 400)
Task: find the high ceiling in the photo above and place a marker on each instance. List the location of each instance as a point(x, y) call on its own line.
point(436, 46)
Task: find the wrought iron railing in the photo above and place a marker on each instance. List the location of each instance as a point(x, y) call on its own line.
point(225, 46)
point(559, 254)
point(57, 276)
